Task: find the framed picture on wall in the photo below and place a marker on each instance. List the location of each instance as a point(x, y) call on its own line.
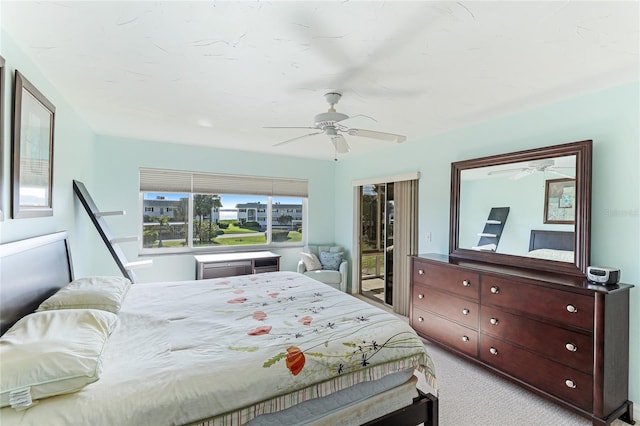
point(1, 138)
point(560, 201)
point(32, 172)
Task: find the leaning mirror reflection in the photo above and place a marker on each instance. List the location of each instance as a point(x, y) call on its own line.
point(502, 205)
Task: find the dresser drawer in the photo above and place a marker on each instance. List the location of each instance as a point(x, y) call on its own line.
point(446, 278)
point(569, 308)
point(454, 335)
point(460, 310)
point(552, 377)
point(565, 346)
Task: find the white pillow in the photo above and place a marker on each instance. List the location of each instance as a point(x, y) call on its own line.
point(551, 254)
point(105, 293)
point(52, 353)
point(311, 261)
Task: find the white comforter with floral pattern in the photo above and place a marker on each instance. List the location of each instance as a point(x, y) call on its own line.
point(233, 348)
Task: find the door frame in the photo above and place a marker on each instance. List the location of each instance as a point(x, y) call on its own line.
point(356, 184)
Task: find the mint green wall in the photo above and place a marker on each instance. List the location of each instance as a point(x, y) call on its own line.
point(611, 118)
point(73, 156)
point(118, 163)
point(525, 199)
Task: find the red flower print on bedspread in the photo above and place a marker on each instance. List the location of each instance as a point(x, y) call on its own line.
point(259, 331)
point(305, 320)
point(237, 300)
point(295, 360)
point(259, 315)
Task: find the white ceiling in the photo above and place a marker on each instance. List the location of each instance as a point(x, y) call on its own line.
point(216, 73)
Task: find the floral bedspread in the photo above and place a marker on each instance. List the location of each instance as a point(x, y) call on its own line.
point(232, 349)
point(306, 334)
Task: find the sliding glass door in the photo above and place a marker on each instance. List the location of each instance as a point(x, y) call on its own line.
point(376, 241)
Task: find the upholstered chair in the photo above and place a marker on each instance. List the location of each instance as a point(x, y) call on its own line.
point(325, 263)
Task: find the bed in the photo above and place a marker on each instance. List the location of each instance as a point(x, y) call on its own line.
point(552, 245)
point(273, 348)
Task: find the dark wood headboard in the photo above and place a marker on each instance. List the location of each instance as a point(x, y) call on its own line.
point(31, 270)
point(557, 240)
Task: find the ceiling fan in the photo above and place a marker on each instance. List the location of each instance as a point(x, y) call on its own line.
point(331, 123)
point(538, 166)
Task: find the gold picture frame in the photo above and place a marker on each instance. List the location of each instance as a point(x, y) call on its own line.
point(32, 171)
point(560, 201)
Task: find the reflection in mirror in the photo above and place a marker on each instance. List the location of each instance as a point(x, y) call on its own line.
point(527, 209)
point(520, 187)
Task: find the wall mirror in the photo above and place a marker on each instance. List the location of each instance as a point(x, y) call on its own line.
point(528, 209)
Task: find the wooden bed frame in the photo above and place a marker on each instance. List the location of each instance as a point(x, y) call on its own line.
point(557, 240)
point(33, 269)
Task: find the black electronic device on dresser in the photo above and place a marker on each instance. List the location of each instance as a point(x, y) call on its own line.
point(539, 323)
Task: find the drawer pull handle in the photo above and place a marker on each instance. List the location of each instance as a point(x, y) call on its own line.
point(421, 296)
point(420, 319)
point(570, 383)
point(465, 311)
point(571, 347)
point(466, 283)
point(495, 289)
point(465, 338)
point(493, 321)
point(420, 272)
point(493, 351)
point(572, 309)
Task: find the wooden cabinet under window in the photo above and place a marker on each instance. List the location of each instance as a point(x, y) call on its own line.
point(231, 264)
point(556, 335)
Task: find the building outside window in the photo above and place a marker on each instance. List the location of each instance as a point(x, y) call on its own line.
point(192, 221)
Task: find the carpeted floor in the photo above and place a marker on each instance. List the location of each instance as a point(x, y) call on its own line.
point(472, 396)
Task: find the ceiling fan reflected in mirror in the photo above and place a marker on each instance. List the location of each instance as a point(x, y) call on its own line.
point(331, 123)
point(538, 166)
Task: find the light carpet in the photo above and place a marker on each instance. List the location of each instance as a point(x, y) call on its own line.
point(472, 396)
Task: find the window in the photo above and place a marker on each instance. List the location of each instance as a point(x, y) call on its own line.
point(219, 212)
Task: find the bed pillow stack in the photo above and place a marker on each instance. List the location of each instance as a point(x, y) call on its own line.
point(57, 349)
point(104, 293)
point(52, 353)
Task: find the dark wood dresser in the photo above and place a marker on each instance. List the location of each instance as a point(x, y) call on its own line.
point(556, 335)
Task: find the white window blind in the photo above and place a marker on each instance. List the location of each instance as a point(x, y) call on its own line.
point(387, 179)
point(158, 180)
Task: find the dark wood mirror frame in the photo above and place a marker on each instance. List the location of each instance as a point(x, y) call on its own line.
point(582, 248)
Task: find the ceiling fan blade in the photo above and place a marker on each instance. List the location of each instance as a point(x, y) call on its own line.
point(298, 137)
point(289, 127)
point(500, 172)
point(560, 173)
point(523, 173)
point(340, 143)
point(327, 43)
point(391, 137)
